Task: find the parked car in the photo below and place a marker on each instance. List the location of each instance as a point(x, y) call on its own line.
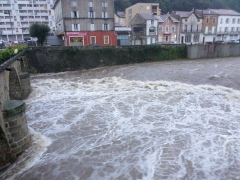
point(175, 42)
point(237, 41)
point(219, 42)
point(231, 41)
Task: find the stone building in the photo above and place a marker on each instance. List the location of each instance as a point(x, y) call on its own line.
point(17, 16)
point(209, 24)
point(168, 29)
point(144, 29)
point(190, 26)
point(147, 8)
point(228, 24)
point(85, 22)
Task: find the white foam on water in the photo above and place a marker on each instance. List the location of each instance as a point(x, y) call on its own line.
point(113, 128)
point(28, 158)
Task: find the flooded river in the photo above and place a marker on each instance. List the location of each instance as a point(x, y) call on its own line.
point(152, 121)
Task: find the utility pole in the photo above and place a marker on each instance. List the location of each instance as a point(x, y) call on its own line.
point(8, 12)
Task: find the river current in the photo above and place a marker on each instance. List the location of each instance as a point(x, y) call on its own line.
point(151, 121)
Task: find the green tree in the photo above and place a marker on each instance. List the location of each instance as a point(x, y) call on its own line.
point(40, 31)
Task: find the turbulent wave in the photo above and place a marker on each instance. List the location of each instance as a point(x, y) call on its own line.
point(113, 128)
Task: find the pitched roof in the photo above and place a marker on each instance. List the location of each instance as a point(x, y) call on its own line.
point(201, 12)
point(183, 14)
point(148, 16)
point(121, 14)
point(225, 12)
point(165, 16)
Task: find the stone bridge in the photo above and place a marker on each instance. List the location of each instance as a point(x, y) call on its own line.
point(14, 87)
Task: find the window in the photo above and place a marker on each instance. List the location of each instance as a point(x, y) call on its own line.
point(232, 30)
point(167, 29)
point(130, 11)
point(214, 20)
point(141, 7)
point(105, 27)
point(91, 14)
point(160, 28)
point(104, 15)
point(233, 20)
point(226, 29)
point(221, 20)
point(104, 4)
point(173, 28)
point(188, 38)
point(74, 3)
point(92, 27)
point(75, 27)
point(196, 38)
point(74, 14)
point(152, 22)
point(239, 21)
point(106, 39)
point(93, 39)
point(207, 20)
point(90, 4)
point(227, 20)
point(151, 30)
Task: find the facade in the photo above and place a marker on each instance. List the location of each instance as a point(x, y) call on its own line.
point(168, 29)
point(150, 8)
point(17, 16)
point(190, 26)
point(209, 25)
point(82, 23)
point(144, 29)
point(228, 24)
point(122, 31)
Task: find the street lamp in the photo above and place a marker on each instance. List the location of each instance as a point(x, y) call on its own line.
point(8, 12)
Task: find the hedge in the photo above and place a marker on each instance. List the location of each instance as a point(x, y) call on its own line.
point(9, 52)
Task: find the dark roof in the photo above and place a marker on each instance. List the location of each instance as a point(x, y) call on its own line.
point(121, 14)
point(148, 16)
point(165, 16)
point(225, 12)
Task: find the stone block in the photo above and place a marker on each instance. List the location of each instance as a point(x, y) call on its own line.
point(16, 150)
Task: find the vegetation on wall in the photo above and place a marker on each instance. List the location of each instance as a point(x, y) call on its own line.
point(9, 52)
point(71, 58)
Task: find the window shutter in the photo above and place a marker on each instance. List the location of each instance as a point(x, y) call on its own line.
point(88, 14)
point(106, 15)
point(108, 27)
point(94, 14)
point(103, 27)
point(72, 27)
point(79, 27)
point(71, 14)
point(77, 14)
point(102, 14)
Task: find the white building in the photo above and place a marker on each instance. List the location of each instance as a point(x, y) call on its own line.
point(228, 27)
point(16, 16)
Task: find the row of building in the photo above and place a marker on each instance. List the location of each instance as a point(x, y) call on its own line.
point(86, 22)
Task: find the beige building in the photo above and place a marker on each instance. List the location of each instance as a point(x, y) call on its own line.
point(190, 26)
point(151, 8)
point(120, 19)
point(17, 16)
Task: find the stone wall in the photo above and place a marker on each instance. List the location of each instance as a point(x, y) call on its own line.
point(213, 51)
point(58, 59)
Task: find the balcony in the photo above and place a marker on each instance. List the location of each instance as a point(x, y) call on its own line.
point(6, 8)
point(229, 32)
point(22, 2)
point(191, 31)
point(167, 32)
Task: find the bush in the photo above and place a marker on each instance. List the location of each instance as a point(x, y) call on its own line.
point(9, 52)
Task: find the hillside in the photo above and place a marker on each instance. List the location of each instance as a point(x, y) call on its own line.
point(182, 5)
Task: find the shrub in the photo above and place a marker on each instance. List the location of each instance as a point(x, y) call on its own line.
point(9, 52)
